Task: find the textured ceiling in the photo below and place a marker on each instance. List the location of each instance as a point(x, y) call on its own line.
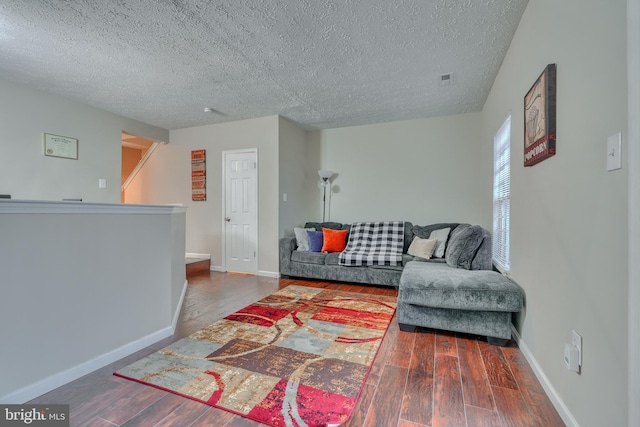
point(320, 63)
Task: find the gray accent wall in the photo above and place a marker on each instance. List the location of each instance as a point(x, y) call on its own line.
point(568, 214)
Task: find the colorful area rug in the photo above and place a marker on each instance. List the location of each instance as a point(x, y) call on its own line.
point(298, 357)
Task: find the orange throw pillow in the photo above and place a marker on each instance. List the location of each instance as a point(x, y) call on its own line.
point(334, 240)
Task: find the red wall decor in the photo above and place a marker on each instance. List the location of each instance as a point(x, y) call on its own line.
point(540, 118)
point(199, 175)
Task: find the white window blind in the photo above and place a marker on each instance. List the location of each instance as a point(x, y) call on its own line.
point(502, 195)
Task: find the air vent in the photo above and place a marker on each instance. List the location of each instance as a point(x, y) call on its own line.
point(445, 79)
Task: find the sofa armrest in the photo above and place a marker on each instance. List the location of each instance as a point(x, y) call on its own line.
point(287, 246)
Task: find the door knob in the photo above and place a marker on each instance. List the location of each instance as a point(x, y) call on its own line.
point(226, 218)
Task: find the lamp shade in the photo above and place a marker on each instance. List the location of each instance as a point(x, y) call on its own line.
point(324, 174)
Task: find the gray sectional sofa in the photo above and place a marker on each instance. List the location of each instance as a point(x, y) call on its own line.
point(458, 292)
point(324, 266)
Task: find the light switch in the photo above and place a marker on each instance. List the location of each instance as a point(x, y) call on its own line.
point(102, 183)
point(614, 155)
point(284, 197)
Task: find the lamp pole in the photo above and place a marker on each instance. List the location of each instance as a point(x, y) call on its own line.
point(324, 197)
point(324, 182)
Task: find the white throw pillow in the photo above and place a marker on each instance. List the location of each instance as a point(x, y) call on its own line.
point(441, 235)
point(422, 248)
point(302, 238)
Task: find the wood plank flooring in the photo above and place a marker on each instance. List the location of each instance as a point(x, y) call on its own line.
point(422, 378)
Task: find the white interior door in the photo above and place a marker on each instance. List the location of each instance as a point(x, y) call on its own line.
point(241, 211)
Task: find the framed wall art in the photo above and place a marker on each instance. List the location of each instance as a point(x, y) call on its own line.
point(540, 118)
point(199, 175)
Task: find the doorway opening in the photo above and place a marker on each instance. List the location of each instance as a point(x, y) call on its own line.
point(135, 152)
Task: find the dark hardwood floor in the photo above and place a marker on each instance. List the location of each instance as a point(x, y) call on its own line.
point(426, 378)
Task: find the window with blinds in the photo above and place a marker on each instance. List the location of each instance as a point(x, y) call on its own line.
point(501, 195)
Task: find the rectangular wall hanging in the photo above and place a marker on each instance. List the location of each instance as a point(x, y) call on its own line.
point(60, 146)
point(540, 118)
point(199, 175)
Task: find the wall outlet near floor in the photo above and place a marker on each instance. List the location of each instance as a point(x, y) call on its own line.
point(102, 183)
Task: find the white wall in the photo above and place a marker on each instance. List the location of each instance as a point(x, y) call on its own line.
point(83, 285)
point(299, 164)
point(568, 214)
point(633, 98)
point(25, 173)
point(424, 171)
point(166, 178)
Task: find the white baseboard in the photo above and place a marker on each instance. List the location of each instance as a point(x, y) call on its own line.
point(273, 274)
point(176, 314)
point(194, 255)
point(54, 381)
point(264, 273)
point(558, 403)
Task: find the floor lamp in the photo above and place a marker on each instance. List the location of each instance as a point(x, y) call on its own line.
point(324, 183)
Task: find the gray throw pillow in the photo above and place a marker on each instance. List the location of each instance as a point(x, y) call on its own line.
point(441, 236)
point(463, 246)
point(302, 239)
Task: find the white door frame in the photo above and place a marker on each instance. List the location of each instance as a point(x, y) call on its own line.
point(224, 206)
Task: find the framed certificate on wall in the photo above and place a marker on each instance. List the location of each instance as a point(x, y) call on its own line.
point(60, 146)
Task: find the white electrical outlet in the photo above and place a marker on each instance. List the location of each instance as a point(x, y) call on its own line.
point(576, 341)
point(573, 353)
point(571, 358)
point(102, 183)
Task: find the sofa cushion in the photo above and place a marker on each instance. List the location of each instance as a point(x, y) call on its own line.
point(332, 258)
point(463, 245)
point(424, 231)
point(408, 236)
point(334, 240)
point(386, 267)
point(484, 257)
point(406, 258)
point(430, 260)
point(308, 257)
point(439, 285)
point(318, 226)
point(302, 239)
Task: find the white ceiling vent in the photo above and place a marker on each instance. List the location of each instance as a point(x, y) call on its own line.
point(445, 79)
